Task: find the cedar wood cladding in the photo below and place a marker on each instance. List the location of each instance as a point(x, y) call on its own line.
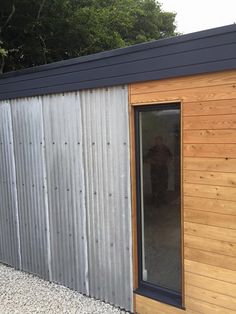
point(206, 51)
point(209, 188)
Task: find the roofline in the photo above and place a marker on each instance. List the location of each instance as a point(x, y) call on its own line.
point(200, 52)
point(122, 51)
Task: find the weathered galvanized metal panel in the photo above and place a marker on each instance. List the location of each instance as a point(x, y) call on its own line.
point(29, 151)
point(106, 160)
point(71, 161)
point(66, 190)
point(9, 221)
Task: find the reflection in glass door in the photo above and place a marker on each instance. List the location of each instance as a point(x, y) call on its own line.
point(158, 194)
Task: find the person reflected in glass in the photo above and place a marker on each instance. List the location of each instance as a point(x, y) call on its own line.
point(158, 157)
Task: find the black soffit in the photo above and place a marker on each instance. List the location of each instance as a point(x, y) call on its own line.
point(201, 52)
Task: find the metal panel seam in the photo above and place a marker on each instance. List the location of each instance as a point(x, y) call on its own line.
point(85, 222)
point(16, 192)
point(46, 193)
point(85, 195)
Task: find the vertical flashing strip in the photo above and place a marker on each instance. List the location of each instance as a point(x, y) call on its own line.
point(86, 190)
point(49, 259)
point(129, 188)
point(15, 189)
point(84, 183)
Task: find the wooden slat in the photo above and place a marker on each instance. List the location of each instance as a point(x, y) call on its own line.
point(211, 205)
point(208, 108)
point(211, 284)
point(206, 231)
point(209, 218)
point(210, 271)
point(209, 136)
point(210, 164)
point(211, 297)
point(206, 308)
point(212, 178)
point(215, 246)
point(195, 81)
point(187, 95)
point(146, 305)
point(216, 122)
point(210, 191)
point(210, 150)
point(210, 258)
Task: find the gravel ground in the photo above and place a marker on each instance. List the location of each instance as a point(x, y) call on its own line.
point(25, 293)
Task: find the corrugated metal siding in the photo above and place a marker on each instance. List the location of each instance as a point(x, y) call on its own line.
point(73, 190)
point(106, 158)
point(66, 190)
point(28, 145)
point(9, 224)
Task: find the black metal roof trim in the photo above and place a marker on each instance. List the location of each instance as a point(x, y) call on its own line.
point(206, 51)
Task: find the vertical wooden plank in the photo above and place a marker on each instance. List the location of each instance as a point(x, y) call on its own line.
point(181, 199)
point(133, 197)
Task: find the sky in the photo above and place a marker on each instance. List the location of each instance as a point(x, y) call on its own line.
point(197, 15)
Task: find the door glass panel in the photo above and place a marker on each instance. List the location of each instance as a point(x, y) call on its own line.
point(159, 152)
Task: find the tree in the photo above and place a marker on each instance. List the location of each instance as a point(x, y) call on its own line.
point(41, 31)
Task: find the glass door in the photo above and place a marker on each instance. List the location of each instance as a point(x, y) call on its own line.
point(158, 199)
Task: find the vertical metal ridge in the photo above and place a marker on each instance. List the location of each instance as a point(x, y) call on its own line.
point(84, 191)
point(73, 188)
point(87, 142)
point(106, 159)
point(16, 193)
point(46, 204)
point(67, 213)
point(27, 131)
point(10, 242)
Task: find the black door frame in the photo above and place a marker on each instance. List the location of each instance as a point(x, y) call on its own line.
point(144, 288)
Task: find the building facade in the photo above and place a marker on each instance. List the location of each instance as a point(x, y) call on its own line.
point(118, 174)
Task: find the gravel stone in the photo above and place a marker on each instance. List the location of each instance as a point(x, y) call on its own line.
point(25, 293)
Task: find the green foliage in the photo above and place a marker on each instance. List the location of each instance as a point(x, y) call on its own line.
point(43, 31)
point(3, 52)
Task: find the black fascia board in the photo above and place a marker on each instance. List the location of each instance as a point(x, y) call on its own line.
point(201, 52)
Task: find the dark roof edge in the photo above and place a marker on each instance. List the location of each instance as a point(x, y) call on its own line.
point(122, 51)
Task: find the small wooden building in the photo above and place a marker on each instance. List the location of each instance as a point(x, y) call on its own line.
point(118, 174)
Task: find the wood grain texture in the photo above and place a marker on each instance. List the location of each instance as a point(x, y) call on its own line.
point(146, 305)
point(209, 187)
point(210, 164)
point(195, 81)
point(214, 272)
point(207, 108)
point(215, 246)
point(211, 191)
point(211, 297)
point(205, 307)
point(210, 150)
point(210, 177)
point(210, 232)
point(209, 136)
point(214, 285)
point(187, 95)
point(214, 259)
point(194, 306)
point(210, 219)
point(215, 122)
point(210, 205)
